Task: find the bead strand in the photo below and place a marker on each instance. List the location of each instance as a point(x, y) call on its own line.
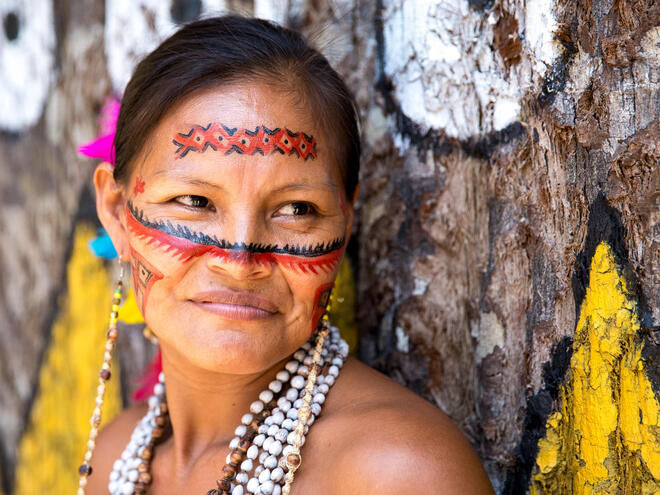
point(105, 373)
point(294, 459)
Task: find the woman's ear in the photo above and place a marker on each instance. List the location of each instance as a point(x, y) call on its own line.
point(110, 208)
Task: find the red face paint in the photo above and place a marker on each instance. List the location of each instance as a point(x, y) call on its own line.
point(262, 140)
point(144, 277)
point(185, 245)
point(139, 186)
point(321, 298)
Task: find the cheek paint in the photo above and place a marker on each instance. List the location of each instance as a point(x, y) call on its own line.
point(321, 298)
point(139, 186)
point(145, 276)
point(187, 245)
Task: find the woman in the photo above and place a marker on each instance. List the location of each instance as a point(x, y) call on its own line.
point(232, 198)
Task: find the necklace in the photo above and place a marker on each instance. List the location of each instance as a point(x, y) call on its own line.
point(265, 452)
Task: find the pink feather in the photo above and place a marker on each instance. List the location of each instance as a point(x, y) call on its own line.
point(150, 379)
point(103, 146)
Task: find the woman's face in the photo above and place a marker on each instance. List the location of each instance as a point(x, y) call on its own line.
point(236, 221)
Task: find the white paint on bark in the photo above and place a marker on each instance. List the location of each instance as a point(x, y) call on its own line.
point(445, 71)
point(26, 63)
point(489, 333)
point(272, 10)
point(133, 28)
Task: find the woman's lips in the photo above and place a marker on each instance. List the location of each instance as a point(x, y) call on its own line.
point(235, 305)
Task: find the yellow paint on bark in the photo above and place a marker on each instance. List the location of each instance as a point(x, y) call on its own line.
point(342, 312)
point(53, 445)
point(606, 437)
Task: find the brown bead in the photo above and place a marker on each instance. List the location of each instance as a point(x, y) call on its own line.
point(243, 444)
point(105, 375)
point(112, 334)
point(85, 470)
point(228, 471)
point(317, 368)
point(163, 408)
point(160, 421)
point(213, 491)
point(146, 454)
point(250, 432)
point(144, 478)
point(156, 432)
point(140, 488)
point(293, 460)
point(224, 485)
point(143, 467)
point(236, 457)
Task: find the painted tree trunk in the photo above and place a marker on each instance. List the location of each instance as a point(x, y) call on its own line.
point(508, 236)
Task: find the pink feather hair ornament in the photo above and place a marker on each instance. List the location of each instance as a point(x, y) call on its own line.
point(103, 146)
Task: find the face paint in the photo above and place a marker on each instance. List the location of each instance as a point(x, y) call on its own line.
point(321, 298)
point(186, 244)
point(144, 277)
point(139, 186)
point(262, 140)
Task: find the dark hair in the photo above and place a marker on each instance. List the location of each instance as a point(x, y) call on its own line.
point(229, 49)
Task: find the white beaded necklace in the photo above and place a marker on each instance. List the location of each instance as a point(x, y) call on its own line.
point(277, 437)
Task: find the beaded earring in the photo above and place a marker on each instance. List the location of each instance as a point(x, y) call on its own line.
point(294, 459)
point(104, 375)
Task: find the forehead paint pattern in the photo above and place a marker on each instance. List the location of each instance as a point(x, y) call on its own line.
point(263, 140)
point(186, 244)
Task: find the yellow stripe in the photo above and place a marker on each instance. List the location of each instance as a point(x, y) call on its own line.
point(342, 311)
point(606, 438)
point(53, 445)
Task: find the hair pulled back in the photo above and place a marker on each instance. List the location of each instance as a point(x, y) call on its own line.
point(222, 50)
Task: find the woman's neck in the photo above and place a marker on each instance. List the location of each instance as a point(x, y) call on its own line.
point(206, 407)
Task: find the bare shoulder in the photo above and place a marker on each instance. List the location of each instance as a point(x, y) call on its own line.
point(109, 445)
point(382, 438)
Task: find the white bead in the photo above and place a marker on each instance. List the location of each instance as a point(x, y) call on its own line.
point(252, 485)
point(291, 437)
point(277, 489)
point(307, 346)
point(277, 474)
point(259, 440)
point(247, 419)
point(159, 389)
point(323, 388)
point(270, 462)
point(308, 360)
point(275, 386)
point(291, 394)
point(242, 478)
point(153, 402)
point(291, 366)
point(112, 487)
point(262, 429)
point(240, 430)
point(286, 405)
point(127, 488)
point(275, 448)
point(262, 457)
point(234, 443)
point(246, 465)
point(161, 377)
point(330, 380)
point(238, 490)
point(132, 475)
point(118, 464)
point(297, 382)
point(114, 476)
point(268, 421)
point(264, 475)
point(267, 443)
point(267, 487)
point(258, 470)
point(334, 371)
point(288, 424)
point(266, 396)
point(339, 362)
point(292, 413)
point(281, 434)
point(299, 355)
point(316, 409)
point(273, 430)
point(319, 398)
point(256, 407)
point(283, 375)
point(278, 417)
point(298, 403)
point(252, 452)
point(286, 451)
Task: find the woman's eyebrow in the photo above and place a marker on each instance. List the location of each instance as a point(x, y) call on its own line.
point(193, 181)
point(328, 185)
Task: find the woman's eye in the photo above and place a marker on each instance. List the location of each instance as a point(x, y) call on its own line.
point(193, 201)
point(298, 208)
